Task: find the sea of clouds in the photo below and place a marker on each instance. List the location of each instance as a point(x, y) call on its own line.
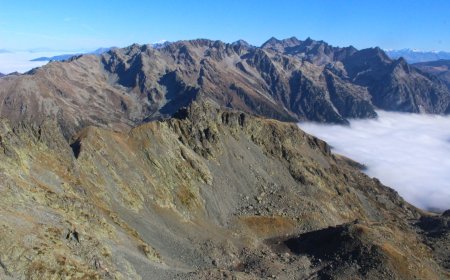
point(408, 152)
point(20, 61)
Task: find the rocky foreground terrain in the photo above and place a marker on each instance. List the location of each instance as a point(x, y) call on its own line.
point(151, 163)
point(210, 193)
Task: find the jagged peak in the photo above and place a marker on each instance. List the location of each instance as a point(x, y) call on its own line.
point(351, 48)
point(203, 42)
point(309, 40)
point(401, 60)
point(402, 63)
point(272, 40)
point(292, 40)
point(241, 42)
point(197, 43)
point(133, 46)
point(379, 51)
point(274, 43)
point(375, 52)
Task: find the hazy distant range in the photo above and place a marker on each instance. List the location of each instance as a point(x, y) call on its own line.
point(415, 56)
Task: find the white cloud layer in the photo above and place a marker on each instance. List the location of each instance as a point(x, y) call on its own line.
point(408, 152)
point(20, 61)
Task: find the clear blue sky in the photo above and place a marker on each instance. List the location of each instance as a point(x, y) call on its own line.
point(76, 25)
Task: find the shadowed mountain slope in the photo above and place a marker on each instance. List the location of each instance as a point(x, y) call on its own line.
point(439, 68)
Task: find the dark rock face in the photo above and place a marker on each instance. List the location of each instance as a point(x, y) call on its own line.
point(1, 75)
point(288, 80)
point(392, 84)
point(395, 85)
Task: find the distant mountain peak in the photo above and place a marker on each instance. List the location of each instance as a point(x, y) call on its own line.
point(375, 52)
point(293, 40)
point(309, 40)
point(241, 42)
point(272, 40)
point(276, 44)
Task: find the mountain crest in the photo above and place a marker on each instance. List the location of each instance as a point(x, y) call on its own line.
point(279, 45)
point(285, 79)
point(241, 43)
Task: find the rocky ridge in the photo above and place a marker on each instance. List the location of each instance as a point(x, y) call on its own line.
point(288, 80)
point(209, 193)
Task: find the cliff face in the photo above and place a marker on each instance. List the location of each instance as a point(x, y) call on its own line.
point(209, 193)
point(288, 80)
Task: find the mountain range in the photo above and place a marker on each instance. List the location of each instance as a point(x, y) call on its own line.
point(415, 56)
point(288, 80)
point(185, 162)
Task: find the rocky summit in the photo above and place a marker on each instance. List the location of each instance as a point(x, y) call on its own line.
point(184, 162)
